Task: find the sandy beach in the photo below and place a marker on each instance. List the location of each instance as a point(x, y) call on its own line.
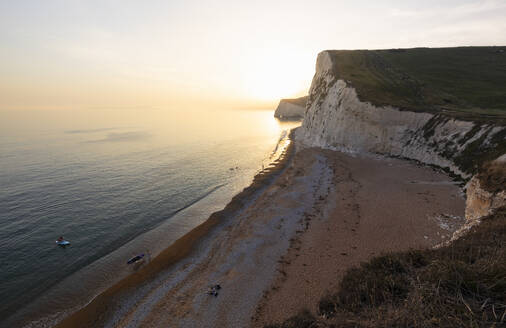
point(375, 205)
point(285, 245)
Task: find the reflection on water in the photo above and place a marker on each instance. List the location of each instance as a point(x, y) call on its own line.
point(112, 183)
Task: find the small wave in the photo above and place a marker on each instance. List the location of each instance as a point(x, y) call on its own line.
point(123, 136)
point(280, 140)
point(89, 130)
point(198, 199)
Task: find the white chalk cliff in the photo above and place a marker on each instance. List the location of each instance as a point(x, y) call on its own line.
point(336, 118)
point(481, 202)
point(291, 108)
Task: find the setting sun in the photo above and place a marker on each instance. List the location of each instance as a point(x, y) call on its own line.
point(271, 74)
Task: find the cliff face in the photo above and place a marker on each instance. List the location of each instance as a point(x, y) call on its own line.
point(486, 191)
point(483, 197)
point(336, 118)
point(291, 108)
point(481, 202)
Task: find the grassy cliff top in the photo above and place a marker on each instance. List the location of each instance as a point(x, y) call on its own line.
point(466, 82)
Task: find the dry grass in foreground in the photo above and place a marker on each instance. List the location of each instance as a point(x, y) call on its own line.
point(461, 285)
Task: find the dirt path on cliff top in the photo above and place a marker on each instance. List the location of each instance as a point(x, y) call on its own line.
point(326, 212)
point(379, 205)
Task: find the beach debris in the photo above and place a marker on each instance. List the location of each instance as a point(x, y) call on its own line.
point(213, 290)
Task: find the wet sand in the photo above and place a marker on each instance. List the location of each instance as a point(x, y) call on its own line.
point(280, 248)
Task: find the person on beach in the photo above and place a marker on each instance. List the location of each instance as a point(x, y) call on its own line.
point(214, 290)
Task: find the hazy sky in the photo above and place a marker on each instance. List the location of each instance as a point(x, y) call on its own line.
point(123, 53)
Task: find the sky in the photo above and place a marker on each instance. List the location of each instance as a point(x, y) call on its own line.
point(77, 54)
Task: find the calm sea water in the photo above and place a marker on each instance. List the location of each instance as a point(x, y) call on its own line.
point(115, 184)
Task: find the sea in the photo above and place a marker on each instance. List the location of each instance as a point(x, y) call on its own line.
point(115, 183)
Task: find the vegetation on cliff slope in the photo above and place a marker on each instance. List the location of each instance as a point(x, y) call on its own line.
point(466, 82)
point(461, 285)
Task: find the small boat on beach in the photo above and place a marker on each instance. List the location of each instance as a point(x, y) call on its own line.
point(136, 259)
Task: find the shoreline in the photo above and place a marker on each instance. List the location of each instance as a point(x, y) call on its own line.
point(326, 212)
point(98, 309)
point(298, 226)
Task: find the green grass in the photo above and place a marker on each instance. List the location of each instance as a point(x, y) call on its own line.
point(467, 82)
point(461, 285)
